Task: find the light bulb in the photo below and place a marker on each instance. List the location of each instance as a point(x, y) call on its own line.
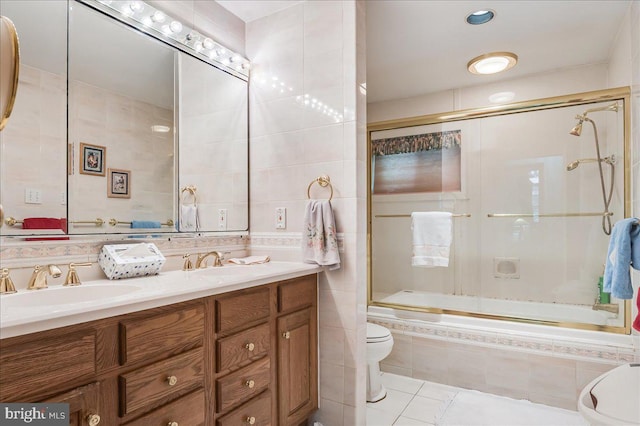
point(158, 16)
point(208, 43)
point(136, 6)
point(175, 27)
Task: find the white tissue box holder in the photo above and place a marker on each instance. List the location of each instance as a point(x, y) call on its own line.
point(116, 266)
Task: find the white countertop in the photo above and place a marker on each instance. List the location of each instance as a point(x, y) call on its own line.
point(30, 311)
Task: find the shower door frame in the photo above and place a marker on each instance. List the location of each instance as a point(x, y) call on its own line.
point(615, 94)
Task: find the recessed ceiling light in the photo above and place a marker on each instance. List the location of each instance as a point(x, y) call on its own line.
point(480, 17)
point(491, 63)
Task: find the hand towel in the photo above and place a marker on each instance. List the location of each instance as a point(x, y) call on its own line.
point(636, 322)
point(140, 224)
point(189, 220)
point(45, 223)
point(624, 252)
point(250, 260)
point(431, 238)
point(319, 240)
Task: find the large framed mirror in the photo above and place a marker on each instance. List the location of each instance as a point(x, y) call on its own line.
point(126, 136)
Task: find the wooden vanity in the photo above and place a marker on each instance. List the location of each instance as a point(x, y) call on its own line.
point(247, 357)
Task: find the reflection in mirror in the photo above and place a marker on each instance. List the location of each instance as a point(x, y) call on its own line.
point(213, 148)
point(121, 98)
point(33, 158)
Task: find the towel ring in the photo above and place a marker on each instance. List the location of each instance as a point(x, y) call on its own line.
point(192, 190)
point(323, 181)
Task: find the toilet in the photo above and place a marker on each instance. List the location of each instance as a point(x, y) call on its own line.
point(379, 345)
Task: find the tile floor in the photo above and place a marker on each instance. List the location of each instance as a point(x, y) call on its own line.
point(417, 402)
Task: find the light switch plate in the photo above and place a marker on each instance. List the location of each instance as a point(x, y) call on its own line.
point(222, 219)
point(32, 196)
point(281, 218)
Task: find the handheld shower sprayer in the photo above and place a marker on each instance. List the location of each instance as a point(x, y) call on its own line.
point(576, 131)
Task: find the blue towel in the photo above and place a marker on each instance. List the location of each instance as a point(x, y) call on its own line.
point(145, 224)
point(624, 252)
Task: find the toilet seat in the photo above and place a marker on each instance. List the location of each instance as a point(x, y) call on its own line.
point(376, 333)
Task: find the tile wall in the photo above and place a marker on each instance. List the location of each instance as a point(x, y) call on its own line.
point(308, 119)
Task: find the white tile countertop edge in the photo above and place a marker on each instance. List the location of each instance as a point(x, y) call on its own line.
point(158, 290)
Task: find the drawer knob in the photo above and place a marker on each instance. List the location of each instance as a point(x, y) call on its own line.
point(93, 419)
point(172, 380)
point(250, 347)
point(286, 335)
point(172, 424)
point(251, 420)
point(250, 384)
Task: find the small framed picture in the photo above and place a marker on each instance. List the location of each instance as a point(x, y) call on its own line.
point(119, 182)
point(92, 159)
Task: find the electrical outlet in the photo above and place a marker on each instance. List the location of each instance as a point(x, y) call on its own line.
point(63, 198)
point(222, 219)
point(32, 196)
point(281, 218)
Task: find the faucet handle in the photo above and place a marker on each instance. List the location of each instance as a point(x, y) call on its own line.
point(72, 276)
point(188, 264)
point(6, 284)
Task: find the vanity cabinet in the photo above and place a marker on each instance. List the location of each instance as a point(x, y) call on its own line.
point(244, 357)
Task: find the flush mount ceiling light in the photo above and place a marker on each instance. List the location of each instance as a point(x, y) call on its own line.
point(491, 63)
point(480, 17)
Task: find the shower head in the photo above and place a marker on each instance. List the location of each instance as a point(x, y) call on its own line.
point(577, 128)
point(611, 160)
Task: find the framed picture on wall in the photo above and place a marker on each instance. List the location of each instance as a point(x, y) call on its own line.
point(119, 182)
point(92, 159)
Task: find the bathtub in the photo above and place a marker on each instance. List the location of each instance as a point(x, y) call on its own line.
point(554, 312)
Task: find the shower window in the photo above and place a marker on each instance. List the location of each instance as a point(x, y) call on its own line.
point(530, 233)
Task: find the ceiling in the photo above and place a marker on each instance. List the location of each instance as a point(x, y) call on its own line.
point(420, 47)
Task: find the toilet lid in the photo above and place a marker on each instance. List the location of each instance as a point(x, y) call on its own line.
point(377, 333)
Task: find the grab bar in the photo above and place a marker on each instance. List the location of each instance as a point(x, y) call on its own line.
point(496, 215)
point(408, 215)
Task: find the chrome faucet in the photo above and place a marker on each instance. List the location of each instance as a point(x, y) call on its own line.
point(201, 262)
point(38, 279)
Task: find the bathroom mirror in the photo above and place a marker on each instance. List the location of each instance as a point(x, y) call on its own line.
point(118, 159)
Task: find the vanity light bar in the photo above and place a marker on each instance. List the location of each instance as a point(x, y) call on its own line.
point(161, 26)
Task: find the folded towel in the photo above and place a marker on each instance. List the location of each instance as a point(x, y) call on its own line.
point(145, 224)
point(189, 220)
point(45, 223)
point(250, 260)
point(320, 241)
point(431, 238)
point(624, 252)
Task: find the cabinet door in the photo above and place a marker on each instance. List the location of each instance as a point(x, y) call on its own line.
point(297, 366)
point(83, 405)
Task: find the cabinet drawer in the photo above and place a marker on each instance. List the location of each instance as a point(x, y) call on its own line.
point(238, 348)
point(298, 293)
point(46, 364)
point(151, 384)
point(161, 335)
point(243, 384)
point(186, 411)
point(256, 412)
point(241, 309)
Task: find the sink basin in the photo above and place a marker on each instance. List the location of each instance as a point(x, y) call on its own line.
point(64, 295)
